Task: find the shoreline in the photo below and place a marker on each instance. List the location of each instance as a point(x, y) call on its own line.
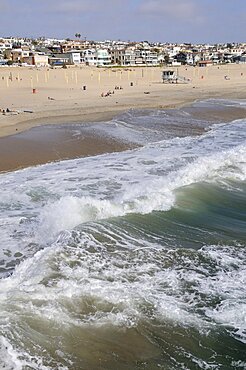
point(52, 143)
point(19, 147)
point(17, 124)
point(56, 102)
point(41, 144)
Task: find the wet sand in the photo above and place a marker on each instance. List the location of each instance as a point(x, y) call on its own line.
point(218, 114)
point(48, 143)
point(45, 144)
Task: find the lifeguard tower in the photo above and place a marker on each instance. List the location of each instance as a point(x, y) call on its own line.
point(170, 76)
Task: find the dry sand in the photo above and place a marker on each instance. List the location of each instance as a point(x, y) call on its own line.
point(60, 97)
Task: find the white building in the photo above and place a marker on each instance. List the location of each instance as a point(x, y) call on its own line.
point(103, 57)
point(146, 56)
point(96, 57)
point(40, 60)
point(89, 57)
point(5, 45)
point(74, 57)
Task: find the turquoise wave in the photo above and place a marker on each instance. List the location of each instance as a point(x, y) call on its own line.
point(204, 213)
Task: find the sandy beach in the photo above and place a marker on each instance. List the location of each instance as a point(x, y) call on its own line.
point(60, 96)
point(44, 96)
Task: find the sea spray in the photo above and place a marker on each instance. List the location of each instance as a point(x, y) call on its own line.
point(129, 260)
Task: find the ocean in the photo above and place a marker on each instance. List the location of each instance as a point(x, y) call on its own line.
point(130, 260)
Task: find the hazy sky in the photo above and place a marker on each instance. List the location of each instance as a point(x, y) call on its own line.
point(155, 20)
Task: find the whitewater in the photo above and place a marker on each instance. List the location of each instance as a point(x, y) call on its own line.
point(130, 260)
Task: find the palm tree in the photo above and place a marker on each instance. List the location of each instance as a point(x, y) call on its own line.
point(77, 35)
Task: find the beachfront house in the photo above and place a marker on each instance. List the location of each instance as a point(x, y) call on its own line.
point(5, 45)
point(123, 57)
point(69, 58)
point(15, 55)
point(74, 56)
point(187, 57)
point(135, 54)
point(182, 58)
point(59, 60)
point(35, 59)
point(146, 57)
point(151, 58)
point(96, 57)
point(20, 55)
point(89, 57)
point(215, 57)
point(40, 60)
point(103, 57)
